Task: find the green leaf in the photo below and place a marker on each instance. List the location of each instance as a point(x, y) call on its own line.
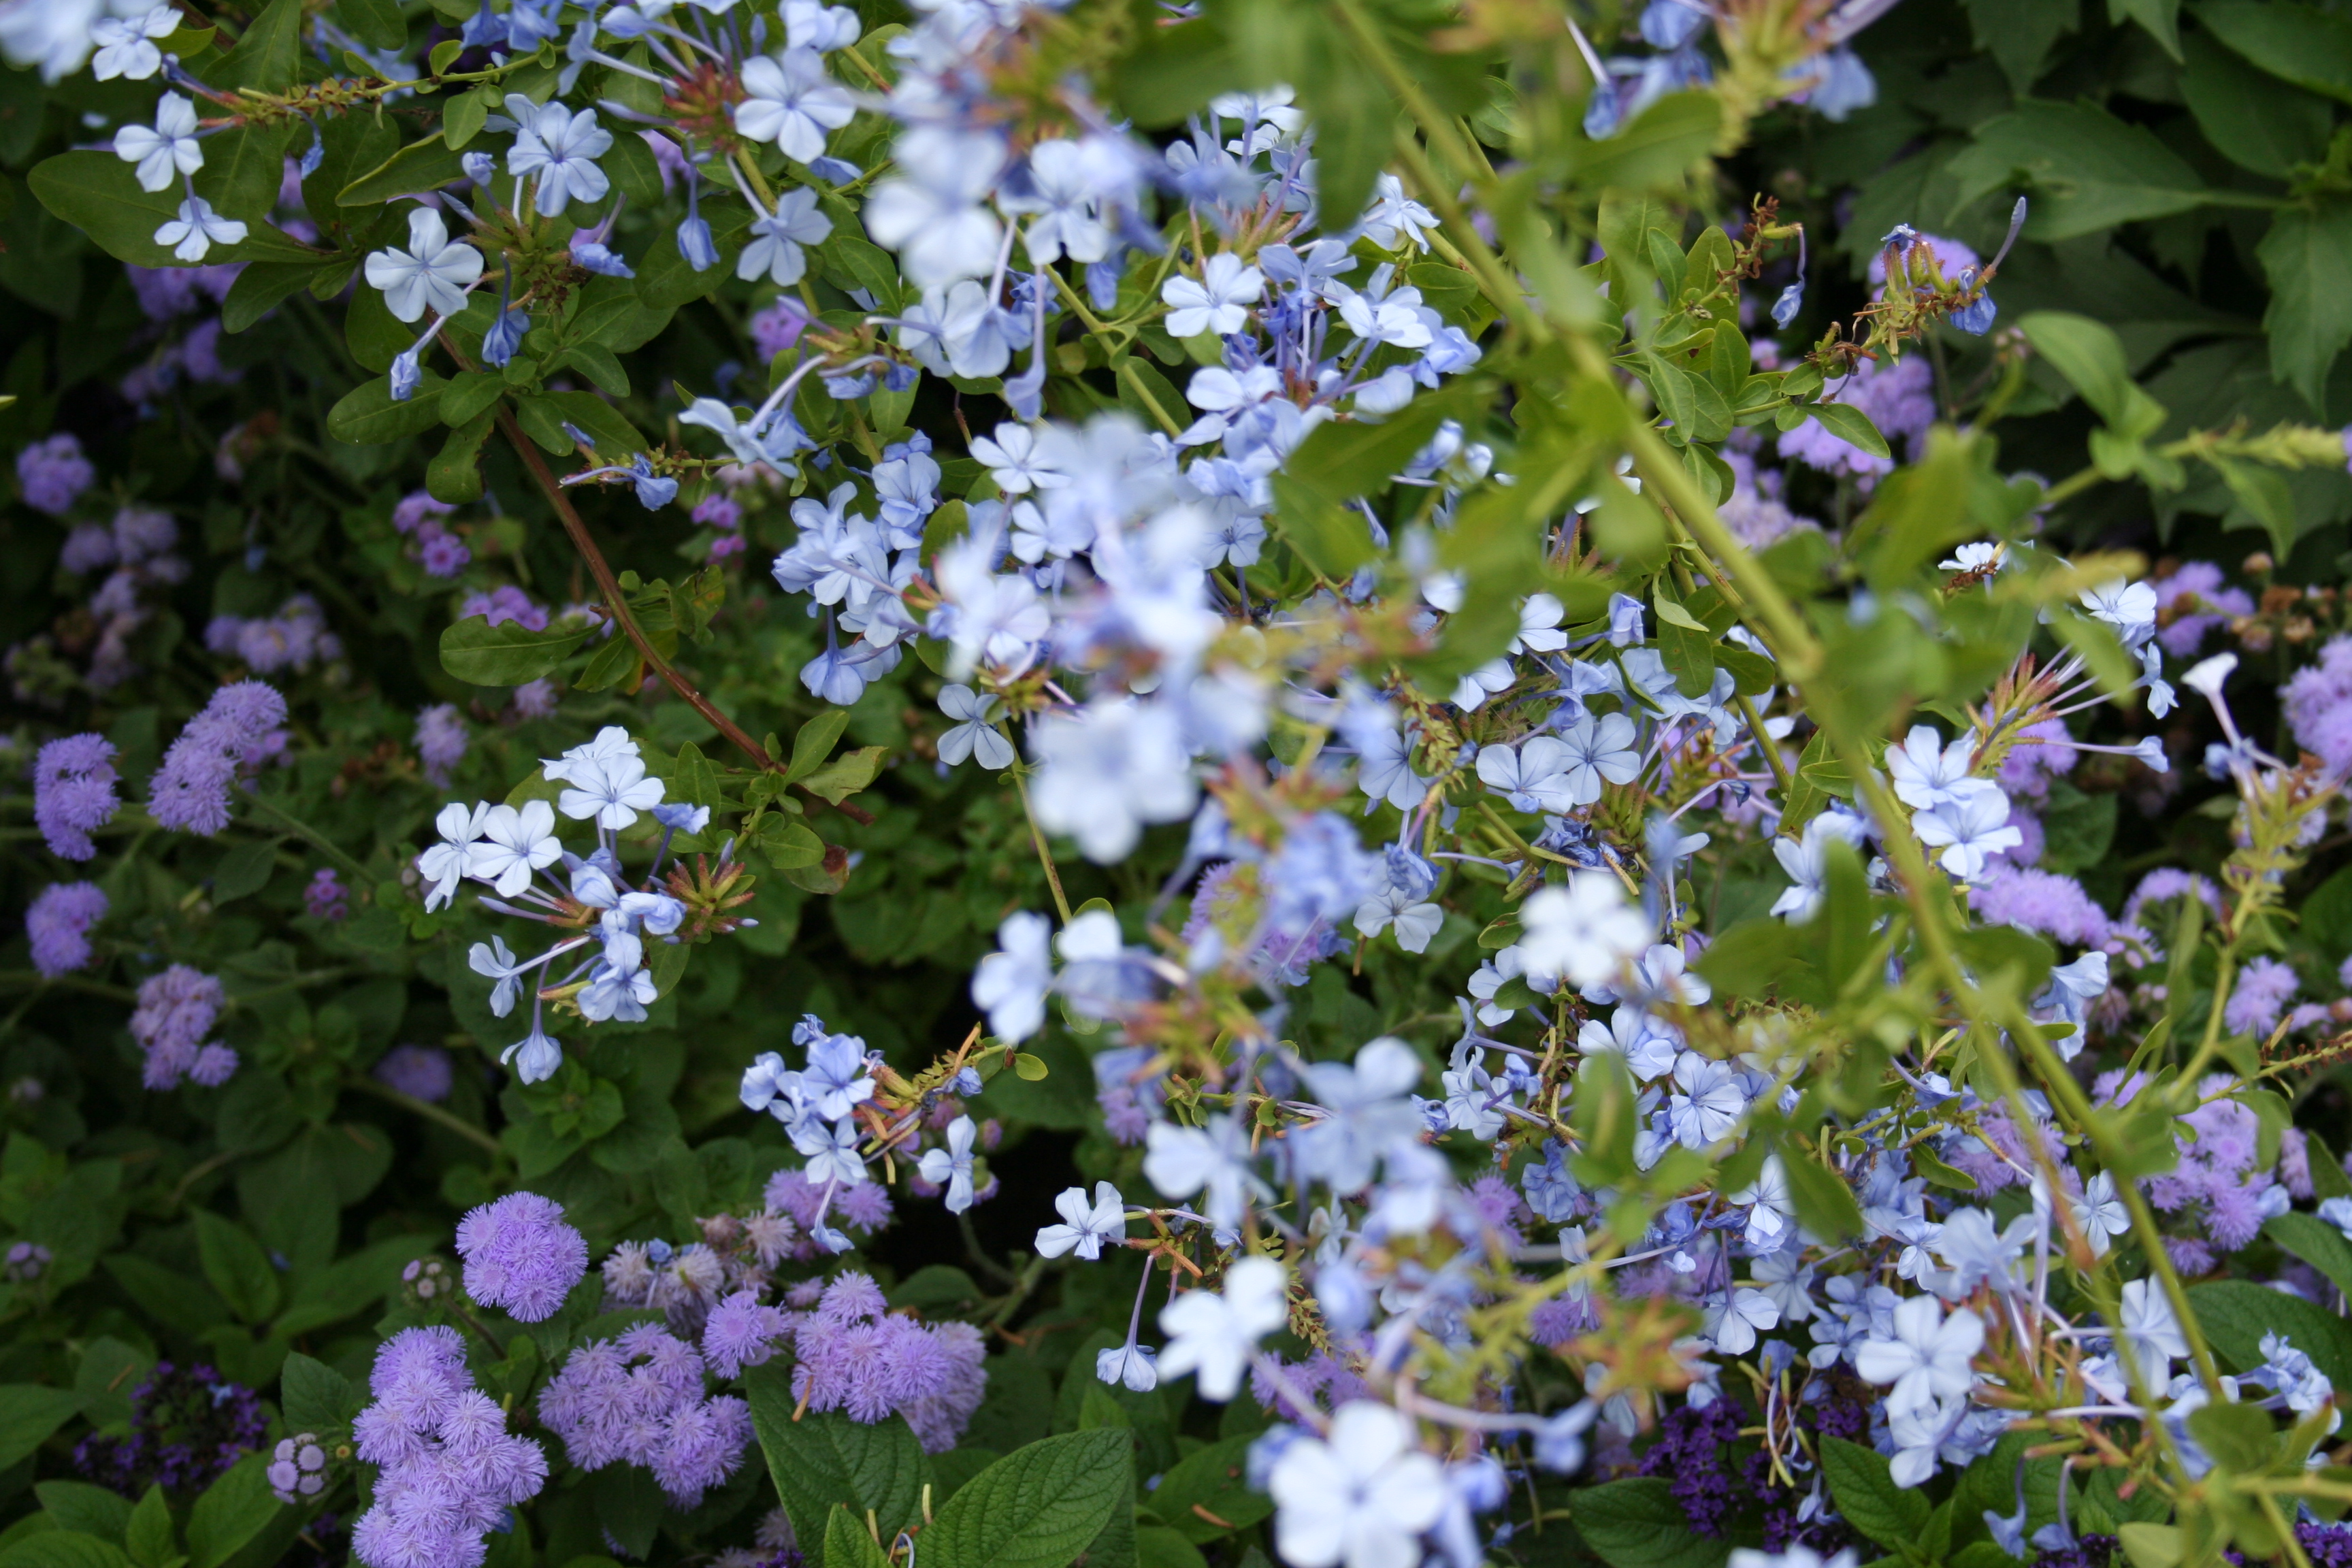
point(1863, 1487)
point(2090, 357)
point(98, 194)
point(790, 843)
point(314, 1396)
point(508, 654)
point(269, 55)
point(29, 1411)
point(825, 1459)
point(1638, 1523)
point(1849, 424)
point(1209, 1486)
point(543, 414)
point(2300, 44)
point(420, 166)
point(368, 416)
point(2160, 17)
point(1825, 1205)
point(231, 1512)
point(376, 23)
point(2018, 34)
point(813, 742)
point(1342, 459)
point(847, 1544)
point(259, 289)
point(2090, 170)
point(2314, 1241)
point(1038, 1507)
point(455, 474)
point(63, 1549)
point(2307, 256)
point(846, 773)
point(91, 1511)
point(1657, 150)
point(237, 1267)
point(151, 1536)
point(2252, 119)
point(2237, 1313)
point(245, 870)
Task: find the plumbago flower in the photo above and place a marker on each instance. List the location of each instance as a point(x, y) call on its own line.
point(1585, 982)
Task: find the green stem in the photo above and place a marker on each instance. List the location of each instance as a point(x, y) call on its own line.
point(430, 1111)
point(1045, 855)
point(360, 877)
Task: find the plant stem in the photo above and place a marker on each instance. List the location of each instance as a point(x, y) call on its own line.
point(617, 602)
point(360, 875)
point(1045, 856)
point(430, 1111)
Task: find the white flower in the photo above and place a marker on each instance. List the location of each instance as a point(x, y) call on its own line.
point(1708, 1101)
point(1975, 558)
point(1394, 217)
point(1017, 461)
point(930, 212)
point(2130, 607)
point(1135, 1365)
point(2206, 677)
point(611, 791)
point(951, 1167)
point(54, 35)
point(168, 150)
point(1806, 860)
point(492, 960)
point(557, 145)
point(832, 1153)
point(536, 1056)
point(1213, 1335)
point(792, 103)
point(1218, 302)
point(434, 272)
point(197, 229)
point(1011, 984)
point(1359, 1498)
point(2100, 1213)
point(1394, 320)
point(1086, 1228)
point(516, 843)
point(1924, 769)
point(975, 736)
point(2151, 1330)
point(1733, 1317)
point(776, 239)
point(1584, 932)
point(612, 741)
point(446, 863)
point(1926, 1358)
point(126, 49)
point(1600, 749)
point(812, 24)
point(1972, 827)
point(1063, 188)
point(1533, 775)
point(1181, 1161)
point(1540, 619)
point(1108, 769)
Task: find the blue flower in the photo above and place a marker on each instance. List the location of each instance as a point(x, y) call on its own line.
point(407, 375)
point(505, 337)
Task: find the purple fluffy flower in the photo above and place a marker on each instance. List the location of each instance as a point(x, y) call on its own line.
point(421, 1072)
point(639, 1400)
point(176, 1010)
point(2042, 901)
point(2190, 603)
point(325, 897)
point(440, 742)
point(520, 1255)
point(417, 509)
point(855, 1356)
point(536, 699)
point(442, 553)
point(237, 728)
point(2319, 705)
point(742, 1332)
point(58, 923)
point(503, 603)
point(449, 1470)
point(2263, 989)
point(73, 793)
point(141, 533)
point(88, 548)
point(53, 474)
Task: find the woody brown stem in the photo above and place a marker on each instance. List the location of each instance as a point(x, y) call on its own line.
point(618, 603)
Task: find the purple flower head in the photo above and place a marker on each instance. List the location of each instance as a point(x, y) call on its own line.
point(449, 1469)
point(237, 728)
point(521, 1255)
point(440, 742)
point(742, 1332)
point(503, 603)
point(855, 1357)
point(441, 553)
point(58, 923)
point(325, 897)
point(2263, 989)
point(188, 1425)
point(88, 548)
point(53, 474)
point(421, 1072)
point(73, 793)
point(176, 1010)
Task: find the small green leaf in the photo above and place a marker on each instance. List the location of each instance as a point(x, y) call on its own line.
point(243, 870)
point(1038, 1507)
point(420, 166)
point(29, 1411)
point(813, 742)
point(368, 416)
point(1639, 1523)
point(825, 1458)
point(237, 1267)
point(845, 774)
point(847, 1544)
point(231, 1512)
point(508, 654)
point(1862, 1485)
point(1851, 425)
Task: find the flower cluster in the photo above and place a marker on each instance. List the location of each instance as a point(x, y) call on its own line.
point(852, 1355)
point(188, 1425)
point(447, 1470)
point(639, 1400)
point(521, 1255)
point(177, 1010)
